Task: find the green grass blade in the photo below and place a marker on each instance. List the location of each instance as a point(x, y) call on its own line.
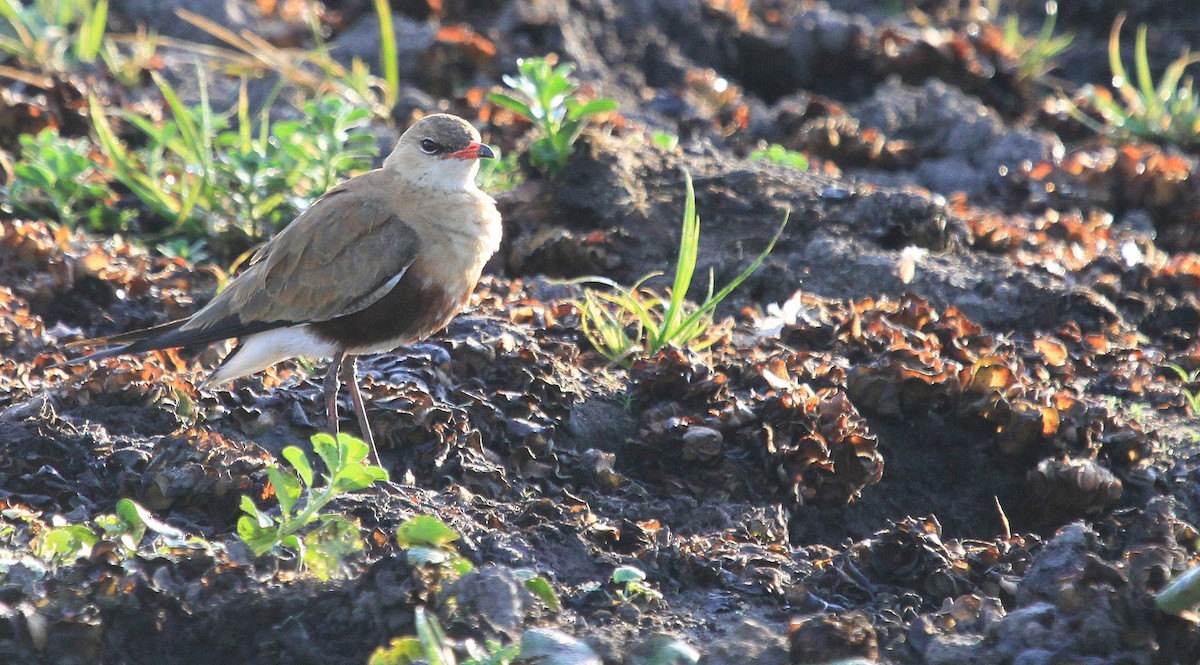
point(594, 107)
point(202, 145)
point(91, 32)
point(711, 304)
point(124, 168)
point(1120, 77)
point(389, 63)
point(1145, 82)
point(189, 133)
point(12, 12)
point(685, 265)
point(245, 131)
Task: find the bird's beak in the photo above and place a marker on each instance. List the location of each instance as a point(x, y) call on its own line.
point(474, 150)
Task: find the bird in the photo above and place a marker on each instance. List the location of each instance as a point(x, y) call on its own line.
point(380, 261)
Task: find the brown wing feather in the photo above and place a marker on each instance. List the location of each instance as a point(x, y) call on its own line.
point(331, 261)
point(335, 259)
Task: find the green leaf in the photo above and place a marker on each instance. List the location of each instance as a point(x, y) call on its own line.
point(326, 448)
point(425, 530)
point(294, 543)
point(299, 461)
point(389, 63)
point(540, 587)
point(67, 543)
point(287, 489)
point(91, 32)
point(460, 565)
point(352, 478)
point(433, 640)
point(138, 519)
point(511, 103)
point(626, 574)
point(665, 140)
point(685, 263)
point(260, 518)
point(400, 651)
point(257, 538)
point(1182, 594)
point(426, 556)
point(594, 107)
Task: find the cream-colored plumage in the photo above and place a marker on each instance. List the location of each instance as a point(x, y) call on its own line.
point(383, 259)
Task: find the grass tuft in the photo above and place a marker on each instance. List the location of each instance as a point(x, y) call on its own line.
point(624, 322)
point(1166, 112)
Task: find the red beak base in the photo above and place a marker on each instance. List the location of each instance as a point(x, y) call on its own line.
point(474, 150)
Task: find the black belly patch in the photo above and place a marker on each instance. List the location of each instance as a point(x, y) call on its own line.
point(409, 312)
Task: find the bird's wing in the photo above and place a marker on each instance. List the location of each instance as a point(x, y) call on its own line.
point(338, 257)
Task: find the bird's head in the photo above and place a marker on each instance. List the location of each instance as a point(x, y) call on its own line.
point(439, 151)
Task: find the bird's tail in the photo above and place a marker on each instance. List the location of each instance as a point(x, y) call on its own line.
point(136, 341)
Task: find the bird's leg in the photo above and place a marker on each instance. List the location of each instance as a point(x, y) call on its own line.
point(331, 392)
point(350, 378)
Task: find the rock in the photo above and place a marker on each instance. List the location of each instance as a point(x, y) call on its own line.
point(953, 650)
point(662, 649)
point(823, 638)
point(750, 643)
point(544, 646)
point(494, 595)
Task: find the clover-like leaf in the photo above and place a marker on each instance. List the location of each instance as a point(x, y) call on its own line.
point(67, 543)
point(259, 539)
point(425, 530)
point(299, 461)
point(287, 489)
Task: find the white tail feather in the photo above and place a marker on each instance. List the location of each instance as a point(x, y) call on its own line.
point(261, 350)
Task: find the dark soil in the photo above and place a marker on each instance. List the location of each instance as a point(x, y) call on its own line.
point(941, 427)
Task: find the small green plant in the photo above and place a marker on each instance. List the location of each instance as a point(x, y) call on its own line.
point(1192, 397)
point(777, 154)
point(501, 174)
point(174, 171)
point(427, 541)
point(322, 540)
point(65, 543)
point(195, 251)
point(433, 647)
point(208, 179)
point(632, 586)
point(624, 322)
point(56, 179)
point(665, 140)
point(1168, 111)
point(545, 94)
point(130, 58)
point(53, 34)
point(1138, 412)
point(1035, 55)
point(539, 586)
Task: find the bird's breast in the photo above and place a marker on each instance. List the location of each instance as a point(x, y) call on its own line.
point(452, 252)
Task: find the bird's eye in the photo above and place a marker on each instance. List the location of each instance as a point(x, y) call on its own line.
point(430, 147)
